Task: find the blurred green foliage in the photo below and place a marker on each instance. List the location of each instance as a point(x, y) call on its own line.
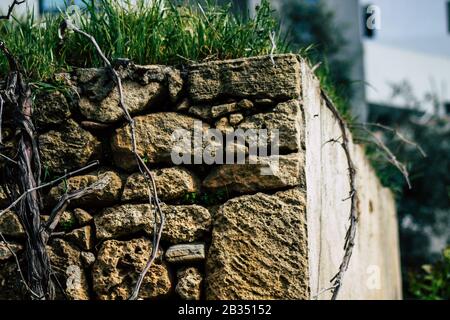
point(432, 282)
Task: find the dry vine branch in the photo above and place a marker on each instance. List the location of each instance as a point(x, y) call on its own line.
point(11, 8)
point(390, 157)
point(159, 218)
point(386, 151)
point(353, 196)
point(398, 134)
point(24, 178)
point(48, 184)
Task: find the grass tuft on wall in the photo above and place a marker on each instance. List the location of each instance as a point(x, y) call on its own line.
point(148, 32)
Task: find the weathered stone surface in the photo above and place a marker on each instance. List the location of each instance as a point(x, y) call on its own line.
point(186, 253)
point(207, 112)
point(123, 220)
point(108, 195)
point(5, 252)
point(88, 259)
point(11, 287)
point(171, 183)
point(137, 98)
point(241, 78)
point(168, 76)
point(83, 217)
point(248, 178)
point(67, 260)
point(3, 198)
point(259, 248)
point(287, 118)
point(183, 105)
point(118, 266)
point(67, 221)
point(224, 126)
point(202, 112)
point(224, 109)
point(236, 118)
point(69, 148)
point(50, 109)
point(183, 223)
point(95, 83)
point(186, 223)
point(81, 237)
point(154, 138)
point(10, 225)
point(189, 284)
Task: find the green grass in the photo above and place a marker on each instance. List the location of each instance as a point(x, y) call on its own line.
point(157, 32)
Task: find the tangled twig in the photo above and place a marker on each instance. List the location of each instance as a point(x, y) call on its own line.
point(353, 197)
point(159, 218)
point(48, 184)
point(11, 8)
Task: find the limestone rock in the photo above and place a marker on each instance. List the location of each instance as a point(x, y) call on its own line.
point(224, 109)
point(186, 253)
point(88, 259)
point(287, 118)
point(189, 284)
point(50, 109)
point(255, 77)
point(183, 106)
point(236, 118)
point(168, 76)
point(154, 139)
point(224, 126)
point(95, 83)
point(67, 260)
point(5, 252)
point(174, 83)
point(10, 225)
point(202, 112)
point(108, 195)
point(81, 237)
point(3, 198)
point(118, 266)
point(171, 183)
point(123, 220)
point(183, 223)
point(207, 112)
point(259, 249)
point(83, 217)
point(67, 149)
point(67, 221)
point(137, 99)
point(264, 175)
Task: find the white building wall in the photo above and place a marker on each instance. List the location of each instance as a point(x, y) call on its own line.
point(426, 74)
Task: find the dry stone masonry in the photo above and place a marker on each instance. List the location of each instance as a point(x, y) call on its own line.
point(231, 232)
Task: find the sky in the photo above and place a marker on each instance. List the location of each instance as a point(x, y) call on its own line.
point(419, 25)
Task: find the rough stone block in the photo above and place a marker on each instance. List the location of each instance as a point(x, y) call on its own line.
point(259, 248)
point(249, 77)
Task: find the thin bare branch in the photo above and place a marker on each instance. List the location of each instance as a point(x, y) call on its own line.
point(337, 280)
point(390, 156)
point(159, 219)
point(11, 8)
point(48, 184)
point(396, 133)
point(65, 200)
point(19, 268)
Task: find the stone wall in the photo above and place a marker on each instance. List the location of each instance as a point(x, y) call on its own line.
point(231, 232)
